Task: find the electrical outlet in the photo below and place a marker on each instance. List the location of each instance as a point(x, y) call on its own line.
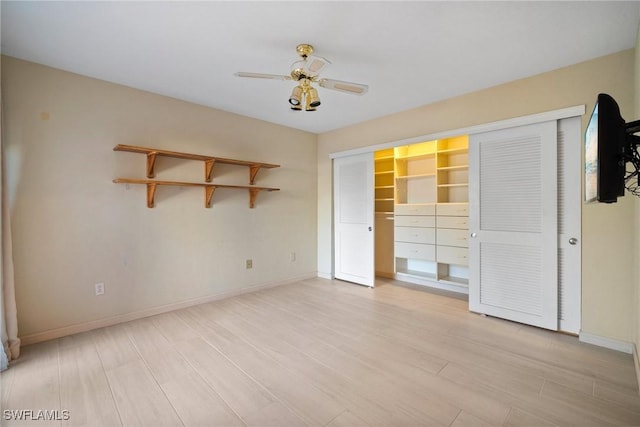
point(99, 288)
point(292, 256)
point(249, 263)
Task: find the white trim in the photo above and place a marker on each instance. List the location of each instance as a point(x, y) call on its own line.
point(564, 113)
point(623, 346)
point(328, 276)
point(636, 362)
point(110, 321)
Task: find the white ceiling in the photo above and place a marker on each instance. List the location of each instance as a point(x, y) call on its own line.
point(409, 53)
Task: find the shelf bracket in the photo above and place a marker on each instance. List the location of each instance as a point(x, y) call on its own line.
point(151, 162)
point(208, 169)
point(208, 195)
point(151, 193)
point(253, 193)
point(253, 171)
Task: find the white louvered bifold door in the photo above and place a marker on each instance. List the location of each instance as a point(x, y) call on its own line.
point(353, 194)
point(513, 248)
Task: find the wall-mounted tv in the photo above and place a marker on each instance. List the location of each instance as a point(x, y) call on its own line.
point(605, 143)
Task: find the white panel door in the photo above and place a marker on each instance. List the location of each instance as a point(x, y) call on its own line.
point(569, 224)
point(353, 197)
point(513, 248)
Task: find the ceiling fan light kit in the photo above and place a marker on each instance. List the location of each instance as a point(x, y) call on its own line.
point(306, 71)
point(312, 95)
point(296, 96)
point(304, 92)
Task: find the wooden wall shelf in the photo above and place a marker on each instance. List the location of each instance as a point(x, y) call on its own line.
point(208, 189)
point(209, 161)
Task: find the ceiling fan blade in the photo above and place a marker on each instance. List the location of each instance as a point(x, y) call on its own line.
point(262, 76)
point(314, 64)
point(342, 86)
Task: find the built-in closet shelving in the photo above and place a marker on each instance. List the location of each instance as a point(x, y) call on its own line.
point(209, 162)
point(384, 184)
point(384, 165)
point(431, 212)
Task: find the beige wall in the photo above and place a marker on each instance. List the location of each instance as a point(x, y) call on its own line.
point(72, 227)
point(608, 285)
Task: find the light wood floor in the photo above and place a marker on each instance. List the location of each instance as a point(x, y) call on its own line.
point(324, 353)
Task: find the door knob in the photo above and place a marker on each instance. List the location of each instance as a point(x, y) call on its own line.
point(474, 234)
point(573, 241)
point(370, 228)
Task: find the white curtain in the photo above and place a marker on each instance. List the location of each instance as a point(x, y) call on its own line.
point(8, 312)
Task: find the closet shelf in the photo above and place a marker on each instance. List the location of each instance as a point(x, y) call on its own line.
point(452, 168)
point(382, 158)
point(209, 161)
point(208, 189)
point(423, 175)
point(417, 156)
point(459, 150)
point(464, 184)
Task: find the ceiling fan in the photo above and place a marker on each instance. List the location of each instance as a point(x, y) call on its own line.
point(306, 72)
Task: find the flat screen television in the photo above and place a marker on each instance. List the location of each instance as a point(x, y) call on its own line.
point(604, 145)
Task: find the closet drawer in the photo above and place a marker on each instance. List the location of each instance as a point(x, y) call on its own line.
point(415, 235)
point(451, 255)
point(415, 251)
point(415, 209)
point(459, 222)
point(415, 221)
point(453, 209)
point(451, 237)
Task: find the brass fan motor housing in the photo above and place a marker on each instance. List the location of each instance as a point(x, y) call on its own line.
point(304, 50)
point(299, 74)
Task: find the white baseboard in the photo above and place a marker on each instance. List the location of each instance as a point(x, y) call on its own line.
point(322, 275)
point(110, 321)
point(623, 346)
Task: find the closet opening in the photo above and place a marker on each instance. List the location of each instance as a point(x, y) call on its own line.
point(421, 213)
